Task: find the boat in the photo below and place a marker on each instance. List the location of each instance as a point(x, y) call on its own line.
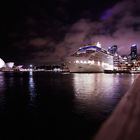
point(90, 58)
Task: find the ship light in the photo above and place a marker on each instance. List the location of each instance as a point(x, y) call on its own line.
point(85, 62)
point(77, 61)
point(92, 62)
point(89, 61)
point(109, 67)
point(115, 68)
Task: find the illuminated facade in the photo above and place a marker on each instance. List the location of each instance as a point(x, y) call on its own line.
point(6, 66)
point(133, 52)
point(2, 63)
point(91, 58)
point(113, 49)
point(10, 64)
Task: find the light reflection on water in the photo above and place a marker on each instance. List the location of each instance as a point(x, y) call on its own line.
point(31, 87)
point(2, 89)
point(100, 92)
point(60, 102)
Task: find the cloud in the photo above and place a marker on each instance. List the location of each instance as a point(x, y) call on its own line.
point(53, 40)
point(38, 42)
point(119, 26)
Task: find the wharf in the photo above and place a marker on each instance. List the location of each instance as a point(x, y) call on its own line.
point(124, 123)
point(116, 71)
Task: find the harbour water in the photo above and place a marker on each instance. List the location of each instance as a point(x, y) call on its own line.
point(65, 106)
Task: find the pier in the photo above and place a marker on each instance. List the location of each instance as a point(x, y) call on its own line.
point(124, 123)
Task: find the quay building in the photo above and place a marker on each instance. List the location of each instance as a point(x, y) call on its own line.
point(128, 62)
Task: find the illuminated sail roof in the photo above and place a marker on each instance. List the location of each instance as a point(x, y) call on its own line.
point(2, 63)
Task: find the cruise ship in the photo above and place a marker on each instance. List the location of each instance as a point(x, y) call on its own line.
point(91, 58)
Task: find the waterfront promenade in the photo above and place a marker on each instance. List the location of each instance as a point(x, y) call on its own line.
point(124, 123)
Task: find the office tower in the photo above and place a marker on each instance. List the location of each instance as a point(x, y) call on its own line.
point(133, 52)
point(113, 49)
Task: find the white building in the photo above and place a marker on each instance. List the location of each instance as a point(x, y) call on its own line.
point(2, 63)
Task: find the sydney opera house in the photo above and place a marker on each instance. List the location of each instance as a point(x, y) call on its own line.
point(9, 66)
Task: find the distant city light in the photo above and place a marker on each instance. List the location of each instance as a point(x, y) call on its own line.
point(30, 65)
point(57, 70)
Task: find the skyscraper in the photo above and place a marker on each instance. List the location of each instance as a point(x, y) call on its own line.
point(133, 52)
point(113, 49)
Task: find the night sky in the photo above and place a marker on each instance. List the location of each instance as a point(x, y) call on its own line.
point(46, 31)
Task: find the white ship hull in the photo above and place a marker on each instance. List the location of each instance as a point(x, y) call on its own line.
point(85, 68)
point(90, 59)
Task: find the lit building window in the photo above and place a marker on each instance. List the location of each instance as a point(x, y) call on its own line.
point(89, 61)
point(108, 66)
point(81, 61)
point(77, 61)
point(92, 62)
point(98, 63)
point(85, 62)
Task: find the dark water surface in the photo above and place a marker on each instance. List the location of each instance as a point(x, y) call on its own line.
point(57, 106)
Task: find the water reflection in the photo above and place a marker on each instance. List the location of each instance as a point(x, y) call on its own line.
point(2, 90)
point(93, 85)
point(133, 76)
point(66, 105)
point(100, 92)
point(2, 82)
point(83, 83)
point(31, 87)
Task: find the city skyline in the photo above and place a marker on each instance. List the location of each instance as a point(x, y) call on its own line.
point(48, 31)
